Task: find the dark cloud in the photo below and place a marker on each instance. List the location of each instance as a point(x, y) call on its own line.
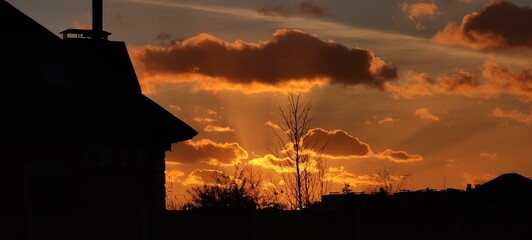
point(310, 7)
point(288, 55)
point(281, 10)
point(458, 81)
point(500, 25)
point(338, 143)
point(287, 10)
point(163, 36)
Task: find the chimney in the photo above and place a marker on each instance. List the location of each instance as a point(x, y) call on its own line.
point(97, 32)
point(97, 18)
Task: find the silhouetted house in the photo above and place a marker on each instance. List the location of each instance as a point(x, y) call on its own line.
point(76, 133)
point(505, 192)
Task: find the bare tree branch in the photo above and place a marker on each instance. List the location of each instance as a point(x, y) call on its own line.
point(304, 180)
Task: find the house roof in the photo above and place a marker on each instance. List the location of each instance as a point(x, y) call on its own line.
point(508, 182)
point(75, 90)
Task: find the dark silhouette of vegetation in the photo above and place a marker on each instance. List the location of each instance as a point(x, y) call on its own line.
point(228, 192)
point(346, 189)
point(243, 190)
point(389, 182)
point(230, 196)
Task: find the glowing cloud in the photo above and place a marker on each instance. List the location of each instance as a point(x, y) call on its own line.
point(203, 120)
point(175, 107)
point(418, 11)
point(477, 179)
point(341, 145)
point(207, 151)
point(513, 115)
point(290, 58)
point(501, 25)
point(497, 78)
point(202, 176)
point(414, 85)
point(424, 114)
point(398, 156)
point(272, 162)
point(421, 84)
point(451, 162)
point(79, 25)
point(173, 176)
point(491, 155)
point(340, 175)
point(214, 128)
point(501, 80)
point(272, 125)
point(388, 120)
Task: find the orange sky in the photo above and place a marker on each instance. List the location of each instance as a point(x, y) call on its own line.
point(441, 90)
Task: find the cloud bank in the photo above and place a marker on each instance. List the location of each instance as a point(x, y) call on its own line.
point(208, 152)
point(289, 57)
point(513, 115)
point(497, 79)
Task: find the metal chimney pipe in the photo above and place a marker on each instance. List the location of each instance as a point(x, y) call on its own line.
point(97, 18)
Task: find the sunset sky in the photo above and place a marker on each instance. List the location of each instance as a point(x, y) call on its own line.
point(439, 89)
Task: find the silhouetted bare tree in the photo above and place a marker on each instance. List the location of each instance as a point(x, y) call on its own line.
point(304, 177)
point(388, 182)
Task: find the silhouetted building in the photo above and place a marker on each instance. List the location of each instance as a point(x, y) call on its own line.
point(509, 191)
point(76, 133)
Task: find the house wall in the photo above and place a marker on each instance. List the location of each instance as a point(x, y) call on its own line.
point(51, 177)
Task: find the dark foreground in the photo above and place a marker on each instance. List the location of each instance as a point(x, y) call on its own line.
point(270, 224)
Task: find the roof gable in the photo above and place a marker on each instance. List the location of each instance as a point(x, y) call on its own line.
point(78, 89)
point(508, 182)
